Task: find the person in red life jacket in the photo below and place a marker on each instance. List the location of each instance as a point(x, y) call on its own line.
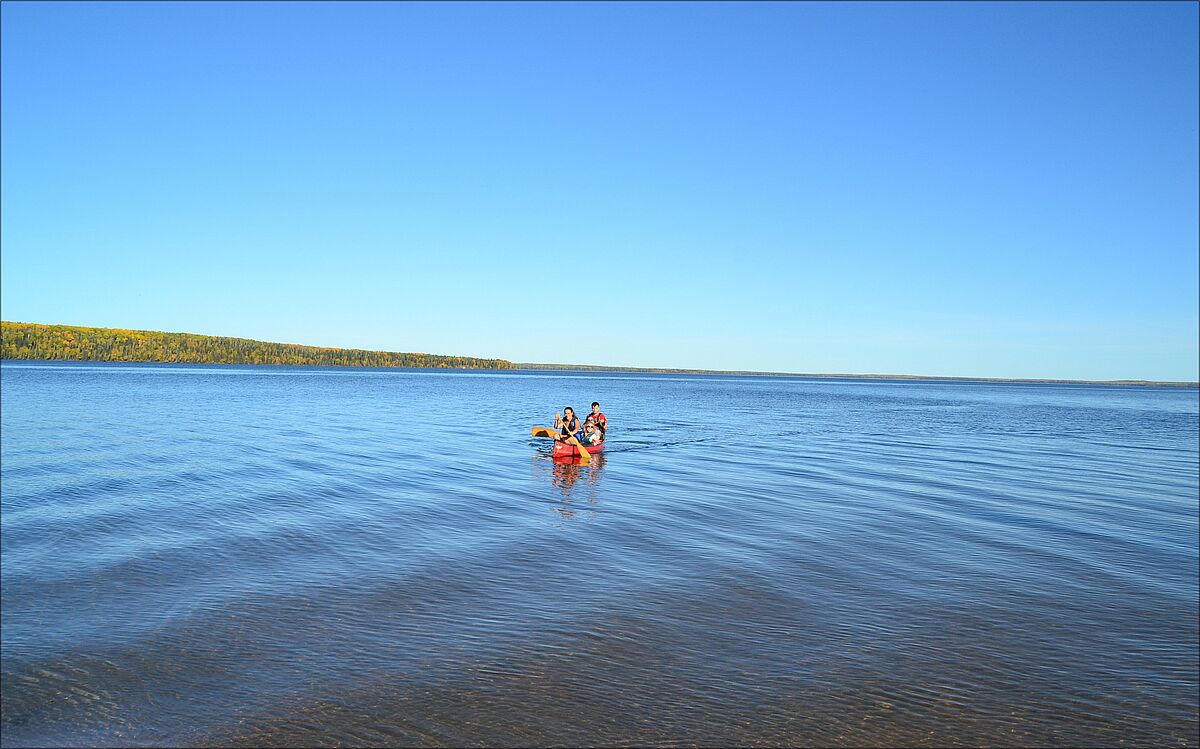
point(567, 424)
point(599, 419)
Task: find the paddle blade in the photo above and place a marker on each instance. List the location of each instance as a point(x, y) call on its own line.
point(584, 456)
point(541, 432)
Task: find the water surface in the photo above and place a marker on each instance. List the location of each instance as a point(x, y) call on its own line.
point(298, 556)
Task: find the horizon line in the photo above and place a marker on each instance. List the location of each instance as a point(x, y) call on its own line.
point(845, 375)
point(659, 370)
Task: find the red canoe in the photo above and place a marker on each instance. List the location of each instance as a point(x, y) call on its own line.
point(563, 450)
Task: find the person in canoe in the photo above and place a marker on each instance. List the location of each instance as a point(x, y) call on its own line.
point(592, 434)
point(567, 425)
point(599, 419)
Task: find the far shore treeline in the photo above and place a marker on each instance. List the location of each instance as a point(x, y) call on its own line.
point(34, 341)
point(65, 342)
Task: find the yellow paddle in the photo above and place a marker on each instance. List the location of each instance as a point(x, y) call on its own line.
point(585, 457)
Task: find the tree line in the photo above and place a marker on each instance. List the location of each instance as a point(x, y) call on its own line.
point(65, 342)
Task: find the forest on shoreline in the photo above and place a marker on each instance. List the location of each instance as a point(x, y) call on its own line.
point(20, 340)
point(35, 341)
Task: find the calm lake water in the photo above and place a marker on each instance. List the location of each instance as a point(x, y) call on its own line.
point(282, 556)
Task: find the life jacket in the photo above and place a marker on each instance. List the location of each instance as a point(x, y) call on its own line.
point(570, 427)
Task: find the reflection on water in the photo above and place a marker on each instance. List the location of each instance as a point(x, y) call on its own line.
point(576, 485)
point(567, 471)
point(295, 557)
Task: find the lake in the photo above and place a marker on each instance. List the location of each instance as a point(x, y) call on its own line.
point(277, 556)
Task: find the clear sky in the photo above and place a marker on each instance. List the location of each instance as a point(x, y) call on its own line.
point(968, 189)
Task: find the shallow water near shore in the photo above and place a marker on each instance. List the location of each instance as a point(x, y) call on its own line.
point(208, 555)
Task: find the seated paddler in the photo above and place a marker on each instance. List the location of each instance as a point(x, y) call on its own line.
point(567, 424)
point(592, 434)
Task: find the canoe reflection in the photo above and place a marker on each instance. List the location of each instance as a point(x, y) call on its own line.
point(568, 471)
point(577, 485)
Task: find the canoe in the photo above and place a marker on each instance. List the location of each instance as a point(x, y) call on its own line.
point(563, 450)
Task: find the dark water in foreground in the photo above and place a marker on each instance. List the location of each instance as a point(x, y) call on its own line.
point(277, 556)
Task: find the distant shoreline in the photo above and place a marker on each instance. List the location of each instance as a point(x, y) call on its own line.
point(530, 366)
point(846, 376)
point(62, 343)
point(40, 342)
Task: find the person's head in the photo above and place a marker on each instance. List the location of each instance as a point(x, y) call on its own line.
point(589, 427)
point(595, 407)
point(568, 412)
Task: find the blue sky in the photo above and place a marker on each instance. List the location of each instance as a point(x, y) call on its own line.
point(969, 189)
